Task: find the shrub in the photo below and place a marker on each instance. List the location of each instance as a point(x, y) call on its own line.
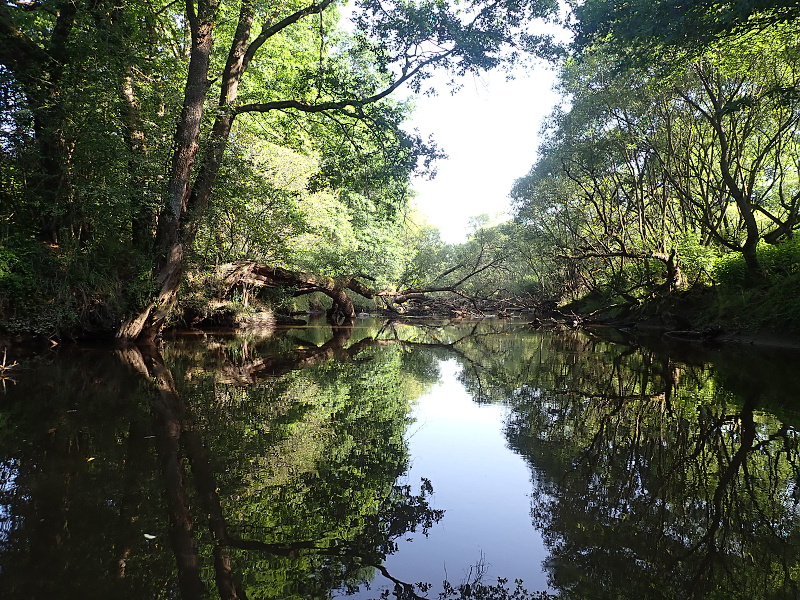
point(54, 292)
point(696, 260)
point(730, 269)
point(777, 261)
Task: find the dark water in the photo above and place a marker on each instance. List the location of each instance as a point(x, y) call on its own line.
point(366, 461)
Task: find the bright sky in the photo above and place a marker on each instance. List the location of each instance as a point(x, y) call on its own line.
point(489, 130)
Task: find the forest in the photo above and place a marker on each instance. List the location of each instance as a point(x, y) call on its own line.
point(172, 164)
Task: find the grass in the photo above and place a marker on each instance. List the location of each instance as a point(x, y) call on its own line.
point(774, 305)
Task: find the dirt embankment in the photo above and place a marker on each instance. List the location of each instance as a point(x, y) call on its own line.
point(697, 317)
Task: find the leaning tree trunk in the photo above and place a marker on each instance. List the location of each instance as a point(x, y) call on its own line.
point(342, 311)
point(145, 326)
point(169, 239)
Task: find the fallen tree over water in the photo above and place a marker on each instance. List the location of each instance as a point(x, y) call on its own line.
point(450, 299)
point(252, 274)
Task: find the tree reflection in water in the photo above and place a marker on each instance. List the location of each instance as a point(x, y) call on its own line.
point(279, 485)
point(660, 479)
point(268, 467)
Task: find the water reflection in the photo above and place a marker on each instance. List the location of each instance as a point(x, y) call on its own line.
point(268, 467)
point(661, 479)
point(167, 479)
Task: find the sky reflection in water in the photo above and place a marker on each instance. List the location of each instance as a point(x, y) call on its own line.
point(483, 486)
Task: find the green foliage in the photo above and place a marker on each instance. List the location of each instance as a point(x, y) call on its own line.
point(638, 190)
point(11, 277)
point(89, 97)
point(777, 261)
point(673, 30)
point(697, 260)
point(731, 270)
point(782, 259)
point(779, 309)
point(490, 264)
point(773, 303)
point(50, 291)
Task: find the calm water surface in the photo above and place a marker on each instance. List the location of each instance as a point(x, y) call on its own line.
point(483, 485)
point(385, 459)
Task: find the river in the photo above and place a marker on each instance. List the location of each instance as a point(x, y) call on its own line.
point(389, 460)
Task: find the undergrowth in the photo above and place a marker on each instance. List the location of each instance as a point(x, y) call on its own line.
point(54, 292)
point(730, 297)
point(772, 301)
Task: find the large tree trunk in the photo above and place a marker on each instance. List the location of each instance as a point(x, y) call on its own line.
point(178, 226)
point(754, 270)
point(143, 217)
point(235, 66)
point(145, 326)
point(169, 238)
point(39, 72)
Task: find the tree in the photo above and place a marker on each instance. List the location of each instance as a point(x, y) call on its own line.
point(241, 66)
point(638, 28)
point(649, 170)
point(598, 190)
point(72, 113)
point(412, 39)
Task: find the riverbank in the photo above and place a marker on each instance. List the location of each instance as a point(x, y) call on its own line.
point(767, 315)
point(707, 315)
point(764, 338)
